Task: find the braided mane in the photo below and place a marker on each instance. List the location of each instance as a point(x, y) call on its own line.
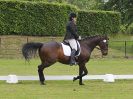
point(90, 37)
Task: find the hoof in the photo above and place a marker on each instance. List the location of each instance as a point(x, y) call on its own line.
point(74, 78)
point(42, 83)
point(81, 84)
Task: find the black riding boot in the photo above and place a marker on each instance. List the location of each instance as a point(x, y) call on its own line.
point(72, 59)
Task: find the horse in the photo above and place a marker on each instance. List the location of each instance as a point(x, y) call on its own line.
point(52, 52)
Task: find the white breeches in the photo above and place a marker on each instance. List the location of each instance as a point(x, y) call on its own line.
point(73, 44)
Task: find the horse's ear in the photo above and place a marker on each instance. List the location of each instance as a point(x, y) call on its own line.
point(106, 36)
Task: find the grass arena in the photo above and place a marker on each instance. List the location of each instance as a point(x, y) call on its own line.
point(96, 89)
point(63, 89)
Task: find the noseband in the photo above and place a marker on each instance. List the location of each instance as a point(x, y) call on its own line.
point(98, 48)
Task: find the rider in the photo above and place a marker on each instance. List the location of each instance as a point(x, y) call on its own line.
point(71, 36)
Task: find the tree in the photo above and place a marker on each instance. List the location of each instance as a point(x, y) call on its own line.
point(125, 7)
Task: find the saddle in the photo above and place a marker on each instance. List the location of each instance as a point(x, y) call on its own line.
point(67, 49)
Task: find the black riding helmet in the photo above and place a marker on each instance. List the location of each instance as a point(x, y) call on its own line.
point(72, 15)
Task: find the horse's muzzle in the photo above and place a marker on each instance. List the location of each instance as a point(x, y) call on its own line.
point(105, 53)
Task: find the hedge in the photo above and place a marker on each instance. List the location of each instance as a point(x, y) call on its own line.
point(98, 22)
point(130, 29)
point(39, 18)
point(33, 18)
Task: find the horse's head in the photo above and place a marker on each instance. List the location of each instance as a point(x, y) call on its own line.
point(97, 40)
point(103, 44)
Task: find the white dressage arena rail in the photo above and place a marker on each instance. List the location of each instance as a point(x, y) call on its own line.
point(105, 78)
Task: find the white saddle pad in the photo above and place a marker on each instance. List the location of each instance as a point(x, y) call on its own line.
point(67, 49)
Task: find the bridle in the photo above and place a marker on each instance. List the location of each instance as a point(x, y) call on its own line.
point(98, 48)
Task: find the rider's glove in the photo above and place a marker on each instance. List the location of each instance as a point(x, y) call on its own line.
point(79, 38)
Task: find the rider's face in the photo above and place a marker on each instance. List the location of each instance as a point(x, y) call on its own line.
point(75, 19)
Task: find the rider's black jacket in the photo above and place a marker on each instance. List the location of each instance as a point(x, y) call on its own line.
point(71, 31)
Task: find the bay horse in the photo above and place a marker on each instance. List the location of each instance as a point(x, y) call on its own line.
point(52, 52)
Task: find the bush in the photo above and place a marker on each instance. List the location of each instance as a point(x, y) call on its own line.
point(98, 22)
point(33, 18)
point(123, 29)
point(130, 29)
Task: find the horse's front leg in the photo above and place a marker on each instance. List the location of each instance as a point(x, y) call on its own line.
point(82, 72)
point(80, 75)
point(85, 72)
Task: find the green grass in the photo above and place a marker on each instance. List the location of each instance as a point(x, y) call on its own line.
point(67, 90)
point(117, 45)
point(94, 66)
point(120, 37)
point(93, 89)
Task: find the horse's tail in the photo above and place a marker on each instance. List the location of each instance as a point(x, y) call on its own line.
point(29, 49)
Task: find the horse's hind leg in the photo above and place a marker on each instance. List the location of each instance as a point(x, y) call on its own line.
point(40, 73)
